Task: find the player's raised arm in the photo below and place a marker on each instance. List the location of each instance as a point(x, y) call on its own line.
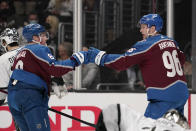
point(58, 68)
point(116, 61)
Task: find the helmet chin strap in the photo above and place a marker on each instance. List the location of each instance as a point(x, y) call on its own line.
point(40, 39)
point(150, 34)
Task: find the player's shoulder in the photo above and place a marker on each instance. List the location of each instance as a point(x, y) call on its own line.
point(142, 45)
point(159, 38)
point(4, 57)
point(151, 41)
point(162, 38)
point(8, 54)
point(36, 48)
point(39, 51)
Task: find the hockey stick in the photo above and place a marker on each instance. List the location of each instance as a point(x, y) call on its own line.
point(71, 117)
point(2, 88)
point(66, 115)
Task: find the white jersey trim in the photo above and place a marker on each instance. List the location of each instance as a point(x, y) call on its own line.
point(140, 51)
point(45, 60)
point(164, 88)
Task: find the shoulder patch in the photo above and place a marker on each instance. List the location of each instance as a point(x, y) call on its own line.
point(131, 50)
point(50, 56)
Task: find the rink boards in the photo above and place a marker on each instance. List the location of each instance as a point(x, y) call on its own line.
point(87, 106)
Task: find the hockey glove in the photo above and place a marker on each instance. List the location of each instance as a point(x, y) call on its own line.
point(95, 56)
point(59, 91)
point(80, 57)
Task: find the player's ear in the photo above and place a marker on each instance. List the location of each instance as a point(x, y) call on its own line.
point(36, 38)
point(152, 29)
point(4, 43)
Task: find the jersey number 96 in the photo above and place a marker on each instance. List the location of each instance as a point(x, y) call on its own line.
point(172, 63)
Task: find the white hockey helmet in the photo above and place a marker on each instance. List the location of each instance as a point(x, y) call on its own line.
point(174, 116)
point(8, 36)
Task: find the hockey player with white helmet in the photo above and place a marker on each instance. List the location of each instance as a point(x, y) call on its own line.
point(9, 41)
point(121, 117)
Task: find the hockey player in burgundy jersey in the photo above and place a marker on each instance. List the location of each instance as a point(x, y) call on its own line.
point(31, 77)
point(160, 61)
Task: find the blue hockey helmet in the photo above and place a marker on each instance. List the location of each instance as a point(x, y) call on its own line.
point(152, 20)
point(32, 30)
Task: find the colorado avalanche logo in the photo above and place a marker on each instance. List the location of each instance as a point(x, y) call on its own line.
point(131, 50)
point(50, 56)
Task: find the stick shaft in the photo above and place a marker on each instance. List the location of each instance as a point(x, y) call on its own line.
point(74, 118)
point(61, 113)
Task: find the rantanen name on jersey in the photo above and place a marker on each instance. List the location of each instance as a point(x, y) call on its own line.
point(165, 44)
